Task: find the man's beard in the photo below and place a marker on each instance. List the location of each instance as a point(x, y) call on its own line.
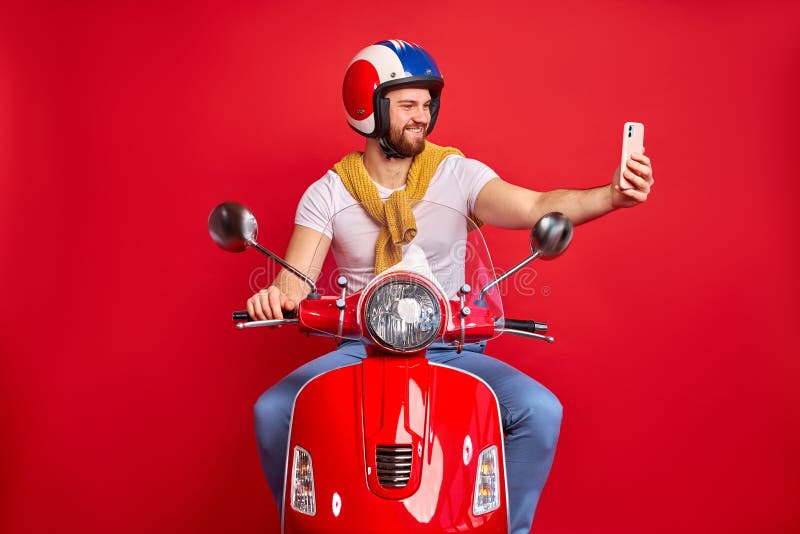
point(407, 147)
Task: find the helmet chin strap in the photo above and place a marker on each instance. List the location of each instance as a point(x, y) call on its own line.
point(389, 150)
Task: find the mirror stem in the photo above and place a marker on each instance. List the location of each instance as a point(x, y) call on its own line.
point(519, 266)
point(313, 295)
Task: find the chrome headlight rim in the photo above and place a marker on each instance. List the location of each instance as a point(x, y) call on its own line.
point(403, 278)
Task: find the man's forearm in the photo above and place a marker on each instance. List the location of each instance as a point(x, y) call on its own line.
point(580, 205)
point(291, 286)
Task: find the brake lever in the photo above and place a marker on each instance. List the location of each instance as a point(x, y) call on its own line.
point(270, 322)
point(522, 333)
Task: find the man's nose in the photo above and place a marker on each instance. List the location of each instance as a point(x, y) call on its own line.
point(421, 115)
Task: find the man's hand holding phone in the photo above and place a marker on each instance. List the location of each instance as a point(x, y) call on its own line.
point(633, 179)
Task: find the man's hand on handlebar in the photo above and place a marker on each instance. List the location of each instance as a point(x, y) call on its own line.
point(269, 303)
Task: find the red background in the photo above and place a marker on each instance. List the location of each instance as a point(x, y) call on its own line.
point(125, 394)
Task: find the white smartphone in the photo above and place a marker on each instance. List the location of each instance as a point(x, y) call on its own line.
point(632, 143)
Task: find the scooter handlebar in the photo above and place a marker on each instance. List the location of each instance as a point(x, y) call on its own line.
point(518, 327)
point(242, 315)
point(525, 326)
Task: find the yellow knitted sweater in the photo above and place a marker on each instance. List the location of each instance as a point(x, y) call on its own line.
point(395, 216)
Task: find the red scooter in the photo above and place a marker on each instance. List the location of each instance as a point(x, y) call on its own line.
point(397, 443)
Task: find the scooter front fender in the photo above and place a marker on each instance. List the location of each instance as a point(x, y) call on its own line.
point(447, 416)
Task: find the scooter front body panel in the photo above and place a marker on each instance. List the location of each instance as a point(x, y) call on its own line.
point(438, 417)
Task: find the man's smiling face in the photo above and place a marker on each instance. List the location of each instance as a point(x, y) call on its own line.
point(409, 117)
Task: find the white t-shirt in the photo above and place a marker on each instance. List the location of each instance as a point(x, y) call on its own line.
point(456, 184)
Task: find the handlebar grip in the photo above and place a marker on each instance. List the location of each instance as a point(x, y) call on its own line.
point(242, 315)
point(526, 326)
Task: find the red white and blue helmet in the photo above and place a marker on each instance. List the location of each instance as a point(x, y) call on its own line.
point(379, 68)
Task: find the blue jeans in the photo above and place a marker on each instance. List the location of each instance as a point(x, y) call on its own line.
point(531, 417)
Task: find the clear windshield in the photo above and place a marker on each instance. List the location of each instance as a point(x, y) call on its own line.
point(448, 249)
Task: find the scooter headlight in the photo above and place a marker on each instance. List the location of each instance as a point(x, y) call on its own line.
point(487, 483)
point(403, 315)
point(303, 499)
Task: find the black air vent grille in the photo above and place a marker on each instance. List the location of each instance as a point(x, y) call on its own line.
point(394, 465)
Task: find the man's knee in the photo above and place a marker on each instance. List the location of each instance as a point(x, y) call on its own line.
point(270, 412)
point(541, 414)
